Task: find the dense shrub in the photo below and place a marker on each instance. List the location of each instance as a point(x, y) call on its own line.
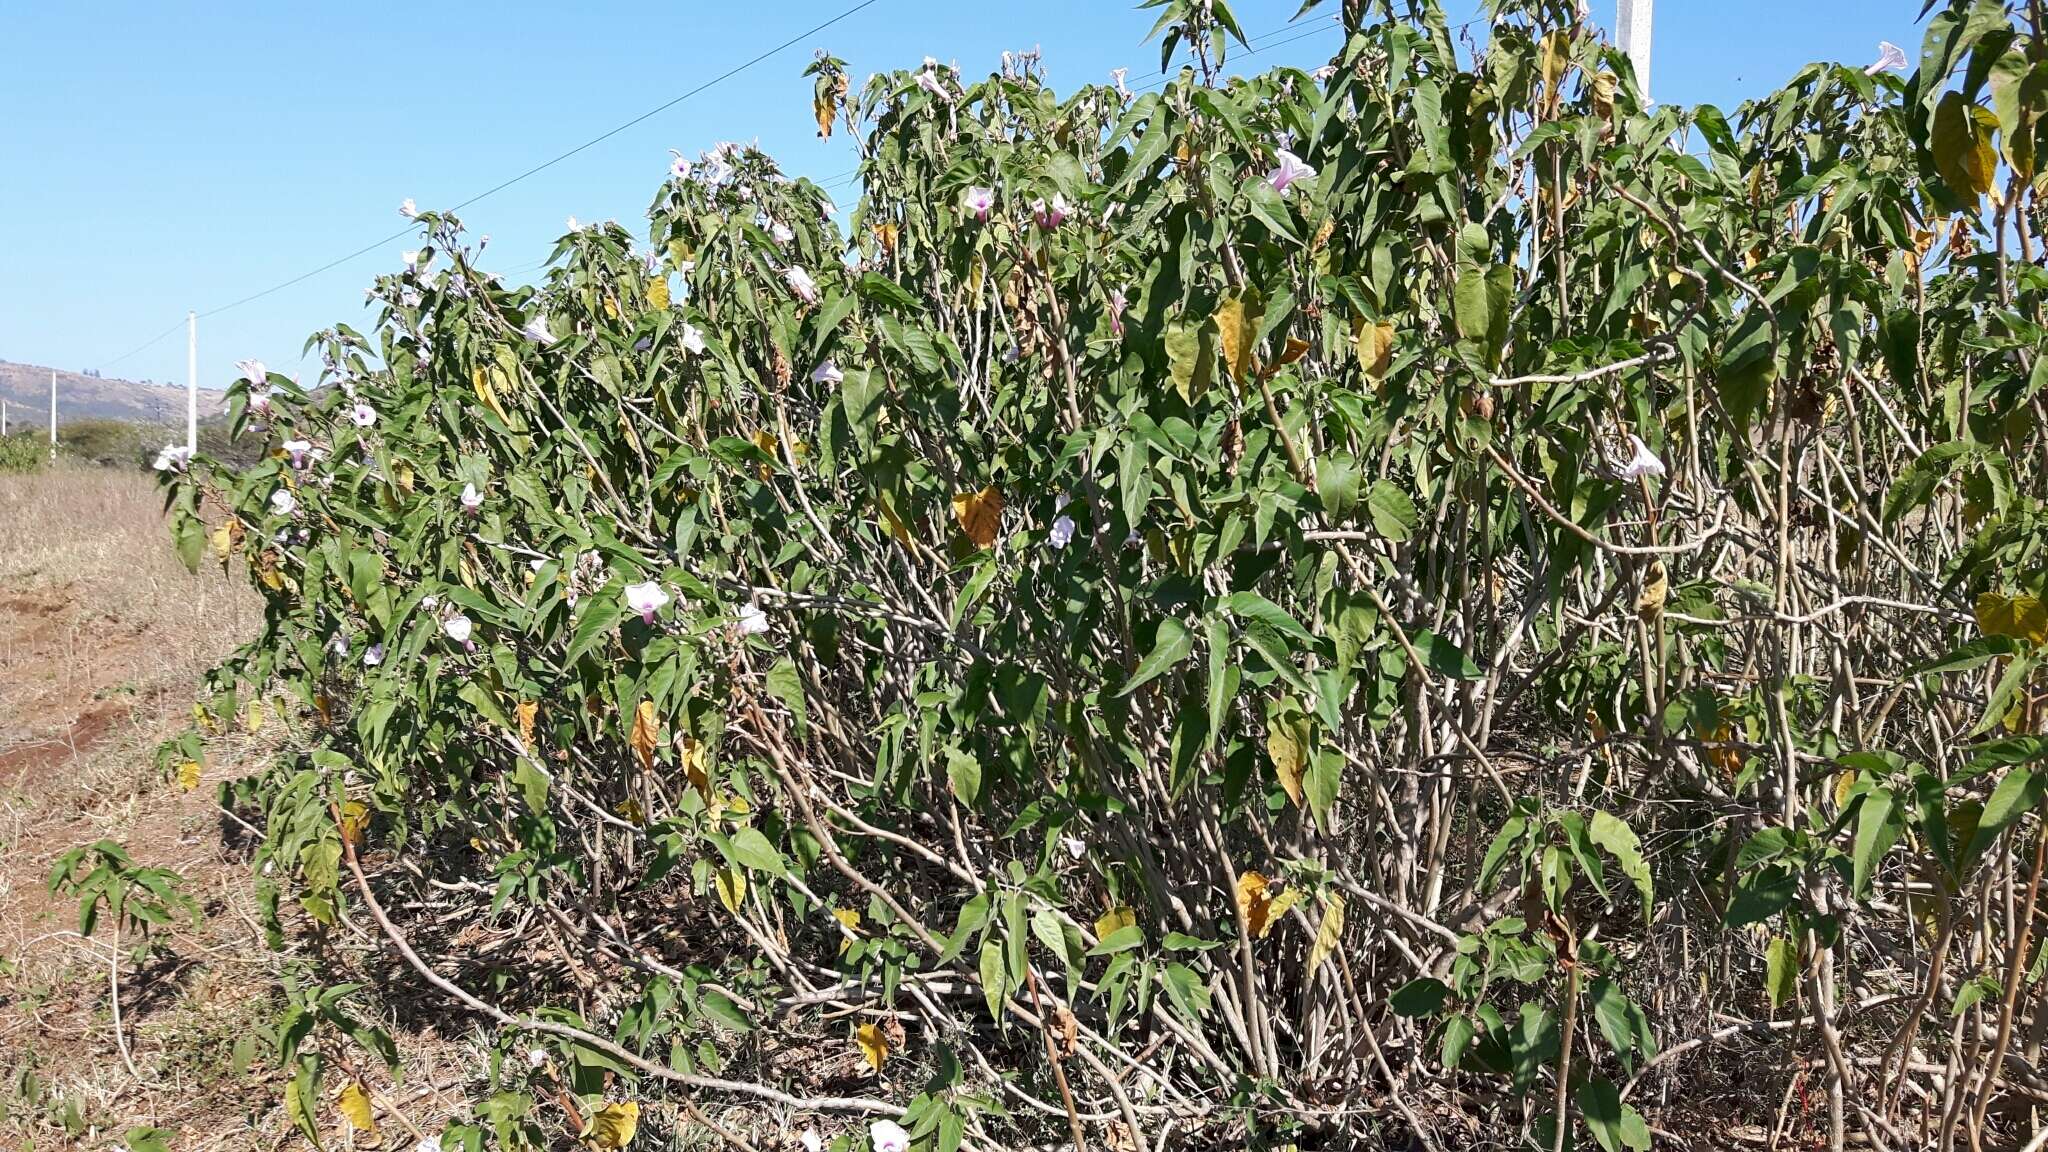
point(1413, 602)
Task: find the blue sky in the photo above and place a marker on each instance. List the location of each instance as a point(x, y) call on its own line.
point(158, 157)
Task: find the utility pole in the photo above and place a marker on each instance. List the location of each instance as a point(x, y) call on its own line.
point(53, 415)
point(191, 381)
point(1632, 35)
point(3, 417)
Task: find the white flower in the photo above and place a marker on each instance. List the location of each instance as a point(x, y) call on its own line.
point(1074, 846)
point(297, 450)
point(1116, 76)
point(811, 1141)
point(173, 458)
point(1290, 169)
point(283, 502)
point(338, 645)
point(373, 655)
point(537, 327)
point(979, 201)
point(888, 1136)
point(827, 373)
point(363, 415)
point(457, 628)
point(780, 232)
point(430, 1144)
point(430, 602)
point(646, 599)
point(717, 170)
point(574, 226)
point(259, 398)
point(410, 259)
point(929, 81)
point(1890, 58)
point(406, 208)
point(752, 621)
point(471, 498)
point(1322, 75)
point(1062, 532)
point(536, 564)
point(1643, 463)
point(800, 282)
point(536, 1058)
point(254, 372)
point(693, 340)
point(678, 168)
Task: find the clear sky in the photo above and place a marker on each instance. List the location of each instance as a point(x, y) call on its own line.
point(157, 157)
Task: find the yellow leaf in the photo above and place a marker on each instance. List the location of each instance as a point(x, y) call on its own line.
point(1287, 743)
point(252, 716)
point(2021, 617)
point(766, 442)
point(1553, 60)
point(204, 719)
point(325, 708)
point(1374, 342)
point(402, 473)
point(1260, 904)
point(657, 293)
point(355, 819)
point(1656, 586)
point(980, 515)
point(645, 734)
point(885, 233)
point(1844, 781)
point(1117, 917)
point(1603, 94)
point(894, 523)
point(611, 308)
point(188, 775)
point(1328, 934)
point(223, 538)
point(266, 570)
point(693, 754)
point(732, 888)
point(874, 1047)
point(355, 1108)
point(851, 919)
point(613, 1125)
point(1237, 332)
point(629, 810)
point(528, 710)
point(481, 381)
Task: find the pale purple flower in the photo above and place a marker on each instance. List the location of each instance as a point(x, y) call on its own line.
point(338, 645)
point(283, 502)
point(751, 621)
point(1643, 462)
point(297, 451)
point(173, 458)
point(1116, 76)
point(363, 415)
point(373, 655)
point(458, 629)
point(827, 373)
point(1117, 303)
point(693, 340)
point(800, 282)
point(407, 209)
point(1290, 169)
point(259, 399)
point(430, 1144)
point(430, 602)
point(678, 168)
point(254, 372)
point(537, 327)
point(1322, 75)
point(1074, 846)
point(979, 201)
point(1050, 215)
point(472, 500)
point(780, 232)
point(929, 81)
point(646, 599)
point(1062, 532)
point(717, 170)
point(1890, 58)
point(888, 1136)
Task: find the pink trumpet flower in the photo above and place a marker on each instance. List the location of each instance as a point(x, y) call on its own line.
point(646, 599)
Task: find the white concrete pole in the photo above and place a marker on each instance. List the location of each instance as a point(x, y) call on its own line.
point(53, 414)
point(191, 381)
point(3, 418)
point(1632, 35)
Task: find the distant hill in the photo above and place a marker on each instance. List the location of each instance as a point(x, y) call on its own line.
point(26, 388)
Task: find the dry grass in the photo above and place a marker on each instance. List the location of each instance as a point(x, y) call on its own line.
point(103, 640)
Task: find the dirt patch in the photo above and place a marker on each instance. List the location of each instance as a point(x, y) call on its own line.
point(85, 735)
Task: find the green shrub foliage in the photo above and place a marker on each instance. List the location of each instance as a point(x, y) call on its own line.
point(1291, 607)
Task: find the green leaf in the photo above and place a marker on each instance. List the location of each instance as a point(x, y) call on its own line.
point(1393, 512)
point(1253, 606)
point(963, 772)
point(1613, 1123)
point(994, 975)
point(2017, 794)
point(786, 684)
point(1960, 139)
point(1337, 480)
point(1878, 825)
point(1781, 971)
point(1170, 646)
point(1324, 780)
point(1122, 940)
point(1423, 996)
point(1443, 657)
point(1619, 841)
point(752, 849)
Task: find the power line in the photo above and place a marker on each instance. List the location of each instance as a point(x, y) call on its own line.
point(545, 165)
point(152, 342)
